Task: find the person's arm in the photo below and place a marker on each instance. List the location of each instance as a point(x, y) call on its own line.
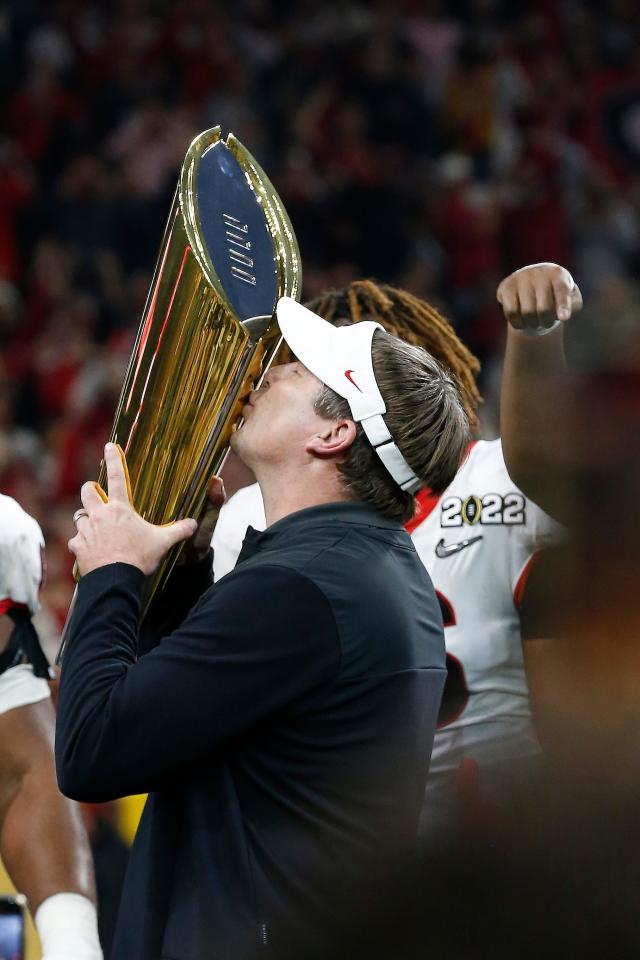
point(43, 842)
point(532, 395)
point(249, 648)
point(171, 605)
point(549, 657)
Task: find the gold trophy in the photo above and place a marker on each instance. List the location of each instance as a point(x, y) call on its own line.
point(207, 333)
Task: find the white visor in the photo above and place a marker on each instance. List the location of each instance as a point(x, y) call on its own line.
point(341, 358)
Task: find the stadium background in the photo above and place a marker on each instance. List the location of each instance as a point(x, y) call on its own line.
point(434, 145)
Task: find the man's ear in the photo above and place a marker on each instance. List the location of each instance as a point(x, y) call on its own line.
point(334, 441)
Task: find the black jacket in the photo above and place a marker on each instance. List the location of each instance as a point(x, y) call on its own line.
point(283, 730)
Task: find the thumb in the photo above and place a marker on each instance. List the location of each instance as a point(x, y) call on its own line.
point(179, 531)
point(576, 299)
point(563, 287)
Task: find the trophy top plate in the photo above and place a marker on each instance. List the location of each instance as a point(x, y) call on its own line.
point(233, 222)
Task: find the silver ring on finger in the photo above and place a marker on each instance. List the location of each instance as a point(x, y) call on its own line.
point(79, 514)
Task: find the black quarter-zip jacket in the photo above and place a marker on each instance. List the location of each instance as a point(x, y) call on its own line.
point(283, 730)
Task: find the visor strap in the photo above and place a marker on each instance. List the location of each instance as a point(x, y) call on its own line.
point(384, 445)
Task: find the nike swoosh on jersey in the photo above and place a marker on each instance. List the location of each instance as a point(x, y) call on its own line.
point(448, 549)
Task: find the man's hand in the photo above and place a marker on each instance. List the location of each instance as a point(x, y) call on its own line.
point(537, 297)
point(114, 533)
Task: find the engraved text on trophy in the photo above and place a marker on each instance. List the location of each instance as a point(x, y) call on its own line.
point(239, 245)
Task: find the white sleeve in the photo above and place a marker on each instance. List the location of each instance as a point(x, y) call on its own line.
point(19, 688)
point(243, 510)
point(540, 530)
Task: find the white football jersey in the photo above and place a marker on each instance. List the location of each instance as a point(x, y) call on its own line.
point(477, 542)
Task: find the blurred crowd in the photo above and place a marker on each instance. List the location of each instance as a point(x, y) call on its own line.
point(437, 146)
point(434, 145)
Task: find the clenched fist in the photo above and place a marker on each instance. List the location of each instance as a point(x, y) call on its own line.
point(536, 298)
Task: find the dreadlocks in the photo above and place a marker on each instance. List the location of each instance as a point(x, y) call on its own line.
point(411, 319)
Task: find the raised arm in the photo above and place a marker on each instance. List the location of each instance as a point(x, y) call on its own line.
point(537, 301)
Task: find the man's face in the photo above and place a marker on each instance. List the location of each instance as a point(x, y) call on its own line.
point(279, 418)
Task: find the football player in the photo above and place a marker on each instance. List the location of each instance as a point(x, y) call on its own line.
point(478, 541)
point(43, 843)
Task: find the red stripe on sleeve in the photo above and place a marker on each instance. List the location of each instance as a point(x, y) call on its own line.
point(518, 593)
point(9, 604)
point(425, 503)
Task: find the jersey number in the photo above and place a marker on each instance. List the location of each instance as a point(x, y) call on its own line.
point(455, 695)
